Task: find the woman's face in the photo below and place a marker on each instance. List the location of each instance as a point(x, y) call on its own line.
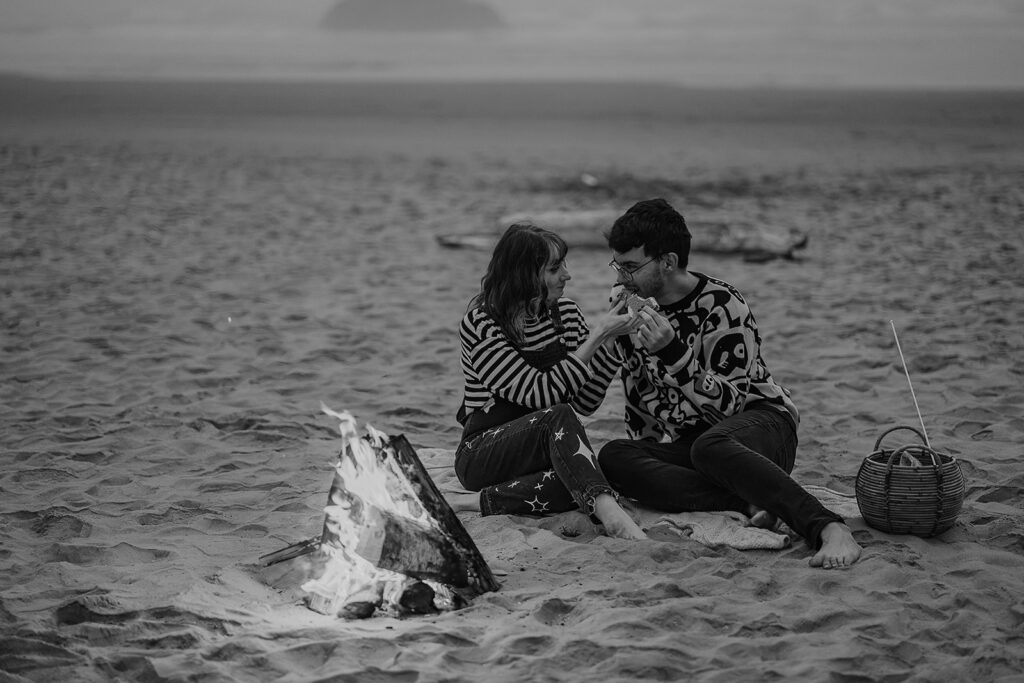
point(555, 275)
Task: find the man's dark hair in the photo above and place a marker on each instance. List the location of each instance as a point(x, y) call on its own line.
point(654, 225)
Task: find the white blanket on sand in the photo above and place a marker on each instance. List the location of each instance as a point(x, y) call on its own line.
point(733, 529)
point(715, 529)
point(712, 529)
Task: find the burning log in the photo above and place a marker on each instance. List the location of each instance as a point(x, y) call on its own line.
point(390, 540)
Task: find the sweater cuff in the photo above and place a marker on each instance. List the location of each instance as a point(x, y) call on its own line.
point(672, 352)
point(609, 355)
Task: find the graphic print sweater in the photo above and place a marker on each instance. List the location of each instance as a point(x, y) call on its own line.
point(712, 368)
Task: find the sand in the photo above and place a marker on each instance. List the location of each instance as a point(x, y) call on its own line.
point(182, 288)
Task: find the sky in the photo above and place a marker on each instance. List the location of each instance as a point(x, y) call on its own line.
point(898, 44)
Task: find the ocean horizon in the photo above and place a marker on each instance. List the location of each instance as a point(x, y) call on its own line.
point(33, 97)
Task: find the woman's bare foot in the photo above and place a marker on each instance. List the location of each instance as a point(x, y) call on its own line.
point(571, 524)
point(838, 548)
point(617, 522)
point(463, 502)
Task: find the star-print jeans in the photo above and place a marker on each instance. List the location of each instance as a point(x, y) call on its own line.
point(535, 464)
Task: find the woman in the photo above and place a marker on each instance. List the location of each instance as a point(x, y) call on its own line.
point(530, 363)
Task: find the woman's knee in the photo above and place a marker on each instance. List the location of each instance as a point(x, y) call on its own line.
point(563, 414)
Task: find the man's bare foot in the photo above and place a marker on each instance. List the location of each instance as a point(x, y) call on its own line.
point(762, 519)
point(463, 502)
point(838, 548)
point(617, 522)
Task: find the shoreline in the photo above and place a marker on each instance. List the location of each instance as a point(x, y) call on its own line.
point(29, 96)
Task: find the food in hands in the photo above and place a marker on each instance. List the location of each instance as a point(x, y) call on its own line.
point(636, 303)
point(633, 301)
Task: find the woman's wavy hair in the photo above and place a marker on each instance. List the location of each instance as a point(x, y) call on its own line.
point(513, 287)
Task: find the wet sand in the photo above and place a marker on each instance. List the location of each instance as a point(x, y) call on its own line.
point(187, 273)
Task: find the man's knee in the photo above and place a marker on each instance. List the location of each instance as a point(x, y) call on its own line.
point(614, 456)
point(710, 441)
point(709, 447)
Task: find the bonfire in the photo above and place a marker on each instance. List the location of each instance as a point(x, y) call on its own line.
point(390, 542)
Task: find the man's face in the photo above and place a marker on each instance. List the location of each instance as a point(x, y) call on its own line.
point(637, 272)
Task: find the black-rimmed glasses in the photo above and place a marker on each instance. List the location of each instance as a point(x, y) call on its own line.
point(628, 272)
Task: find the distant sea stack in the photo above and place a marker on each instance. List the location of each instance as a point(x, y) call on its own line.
point(412, 15)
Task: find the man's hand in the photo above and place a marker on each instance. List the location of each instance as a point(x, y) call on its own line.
point(654, 331)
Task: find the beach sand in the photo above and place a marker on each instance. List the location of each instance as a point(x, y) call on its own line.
point(184, 284)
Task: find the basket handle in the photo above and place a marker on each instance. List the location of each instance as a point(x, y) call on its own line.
point(895, 455)
point(888, 476)
point(881, 436)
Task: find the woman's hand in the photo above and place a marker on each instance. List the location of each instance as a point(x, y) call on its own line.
point(615, 322)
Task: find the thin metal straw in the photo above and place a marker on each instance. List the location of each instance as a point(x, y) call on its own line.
point(924, 431)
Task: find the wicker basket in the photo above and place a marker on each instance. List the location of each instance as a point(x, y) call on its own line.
point(922, 499)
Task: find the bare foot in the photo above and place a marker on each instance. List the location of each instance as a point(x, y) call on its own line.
point(463, 502)
point(571, 524)
point(617, 522)
point(762, 519)
point(838, 548)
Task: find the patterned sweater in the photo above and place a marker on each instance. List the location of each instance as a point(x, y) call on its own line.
point(494, 367)
point(712, 369)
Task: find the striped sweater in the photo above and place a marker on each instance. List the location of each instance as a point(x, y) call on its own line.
point(495, 368)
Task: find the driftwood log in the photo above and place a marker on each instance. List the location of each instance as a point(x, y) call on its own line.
point(587, 229)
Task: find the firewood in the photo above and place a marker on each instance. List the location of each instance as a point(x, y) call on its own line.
point(402, 545)
point(480, 579)
point(392, 532)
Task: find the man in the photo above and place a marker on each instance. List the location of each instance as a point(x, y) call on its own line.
point(708, 426)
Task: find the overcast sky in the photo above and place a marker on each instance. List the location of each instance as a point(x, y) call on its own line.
point(844, 43)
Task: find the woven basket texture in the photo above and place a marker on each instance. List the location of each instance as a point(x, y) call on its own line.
point(911, 489)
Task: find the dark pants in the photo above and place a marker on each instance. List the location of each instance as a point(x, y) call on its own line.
point(535, 464)
point(743, 460)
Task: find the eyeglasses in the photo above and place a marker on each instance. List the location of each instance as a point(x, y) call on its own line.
point(628, 272)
